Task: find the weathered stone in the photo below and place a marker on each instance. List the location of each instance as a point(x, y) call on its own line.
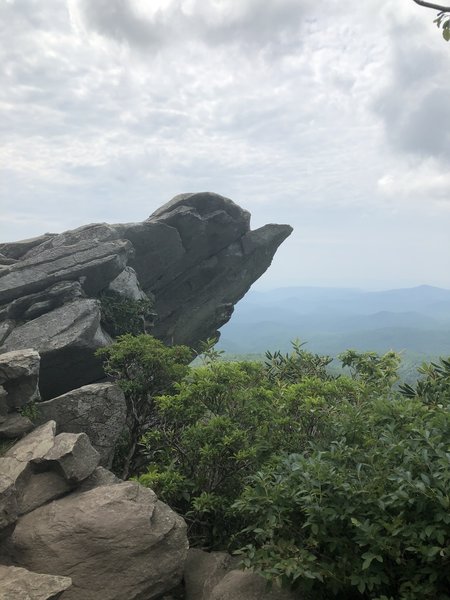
point(3, 401)
point(244, 585)
point(191, 306)
point(99, 477)
point(19, 584)
point(32, 306)
point(8, 501)
point(98, 263)
point(5, 329)
point(40, 488)
point(14, 425)
point(5, 261)
point(99, 410)
point(35, 445)
point(117, 542)
point(126, 284)
point(203, 571)
point(66, 339)
point(19, 376)
point(19, 249)
point(72, 455)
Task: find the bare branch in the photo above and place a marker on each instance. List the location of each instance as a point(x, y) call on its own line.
point(444, 9)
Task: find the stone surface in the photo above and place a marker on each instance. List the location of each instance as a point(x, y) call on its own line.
point(117, 542)
point(9, 509)
point(203, 571)
point(5, 329)
point(126, 284)
point(96, 262)
point(35, 445)
point(19, 376)
point(99, 410)
point(32, 306)
point(39, 489)
point(66, 339)
point(193, 305)
point(244, 585)
point(72, 456)
point(19, 584)
point(14, 425)
point(100, 476)
point(17, 250)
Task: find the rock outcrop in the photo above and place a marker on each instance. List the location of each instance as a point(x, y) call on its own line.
point(194, 258)
point(63, 516)
point(99, 410)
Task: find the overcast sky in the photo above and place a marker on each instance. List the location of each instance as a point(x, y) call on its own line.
point(331, 116)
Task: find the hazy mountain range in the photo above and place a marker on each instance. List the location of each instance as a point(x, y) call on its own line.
point(414, 320)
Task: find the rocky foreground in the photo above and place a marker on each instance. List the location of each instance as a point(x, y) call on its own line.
point(69, 528)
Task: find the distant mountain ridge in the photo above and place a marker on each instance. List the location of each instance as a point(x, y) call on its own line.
point(415, 320)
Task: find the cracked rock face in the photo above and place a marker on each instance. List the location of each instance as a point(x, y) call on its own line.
point(195, 257)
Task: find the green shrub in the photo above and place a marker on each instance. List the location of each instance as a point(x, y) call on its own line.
point(224, 421)
point(364, 516)
point(121, 315)
point(143, 367)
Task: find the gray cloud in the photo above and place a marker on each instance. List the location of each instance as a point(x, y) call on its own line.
point(414, 104)
point(249, 22)
point(108, 109)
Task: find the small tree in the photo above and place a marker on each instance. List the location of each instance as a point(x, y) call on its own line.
point(144, 368)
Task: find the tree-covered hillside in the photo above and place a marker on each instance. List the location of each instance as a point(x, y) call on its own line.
point(413, 321)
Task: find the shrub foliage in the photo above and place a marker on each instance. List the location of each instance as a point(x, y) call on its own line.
point(336, 484)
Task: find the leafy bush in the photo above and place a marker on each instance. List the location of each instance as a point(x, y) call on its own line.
point(365, 518)
point(434, 386)
point(284, 368)
point(122, 315)
point(224, 421)
point(143, 367)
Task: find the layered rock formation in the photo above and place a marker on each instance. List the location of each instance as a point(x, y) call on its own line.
point(194, 258)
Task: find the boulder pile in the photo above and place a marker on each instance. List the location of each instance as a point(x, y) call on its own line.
point(67, 525)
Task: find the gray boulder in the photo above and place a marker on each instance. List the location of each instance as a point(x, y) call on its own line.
point(215, 576)
point(20, 584)
point(66, 339)
point(19, 376)
point(14, 425)
point(203, 571)
point(72, 456)
point(126, 284)
point(9, 509)
point(99, 410)
point(16, 250)
point(35, 445)
point(116, 541)
point(100, 476)
point(96, 262)
point(40, 488)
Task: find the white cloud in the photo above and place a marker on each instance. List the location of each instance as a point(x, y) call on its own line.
point(326, 118)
